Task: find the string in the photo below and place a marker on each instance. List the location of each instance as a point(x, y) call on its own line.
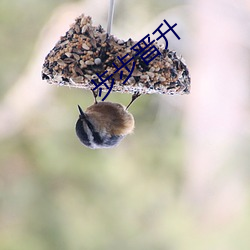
point(110, 16)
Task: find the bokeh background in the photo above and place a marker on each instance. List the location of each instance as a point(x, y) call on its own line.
point(180, 182)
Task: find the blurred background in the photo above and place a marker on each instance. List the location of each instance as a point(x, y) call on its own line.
point(180, 182)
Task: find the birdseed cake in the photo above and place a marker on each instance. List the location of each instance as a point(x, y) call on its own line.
point(87, 51)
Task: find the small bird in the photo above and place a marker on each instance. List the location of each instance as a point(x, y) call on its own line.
point(104, 124)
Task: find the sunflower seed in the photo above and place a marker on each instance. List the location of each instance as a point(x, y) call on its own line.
point(85, 46)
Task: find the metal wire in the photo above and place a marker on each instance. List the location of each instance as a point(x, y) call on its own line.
point(110, 16)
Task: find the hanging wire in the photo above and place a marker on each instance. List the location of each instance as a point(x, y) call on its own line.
point(110, 16)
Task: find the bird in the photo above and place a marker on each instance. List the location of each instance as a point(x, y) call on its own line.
point(104, 124)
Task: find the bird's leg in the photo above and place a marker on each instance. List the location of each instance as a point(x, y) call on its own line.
point(134, 97)
point(95, 95)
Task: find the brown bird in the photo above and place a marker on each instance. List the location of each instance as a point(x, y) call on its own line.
point(104, 124)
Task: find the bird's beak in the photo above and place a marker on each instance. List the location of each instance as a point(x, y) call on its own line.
point(82, 115)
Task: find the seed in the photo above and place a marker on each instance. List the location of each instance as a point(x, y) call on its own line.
point(103, 37)
point(69, 60)
point(84, 29)
point(78, 70)
point(90, 72)
point(83, 21)
point(131, 80)
point(136, 73)
point(77, 57)
point(85, 46)
point(78, 51)
point(98, 61)
point(70, 32)
point(88, 62)
point(61, 62)
point(90, 52)
point(68, 54)
point(88, 76)
point(120, 42)
point(77, 29)
point(64, 43)
point(150, 74)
